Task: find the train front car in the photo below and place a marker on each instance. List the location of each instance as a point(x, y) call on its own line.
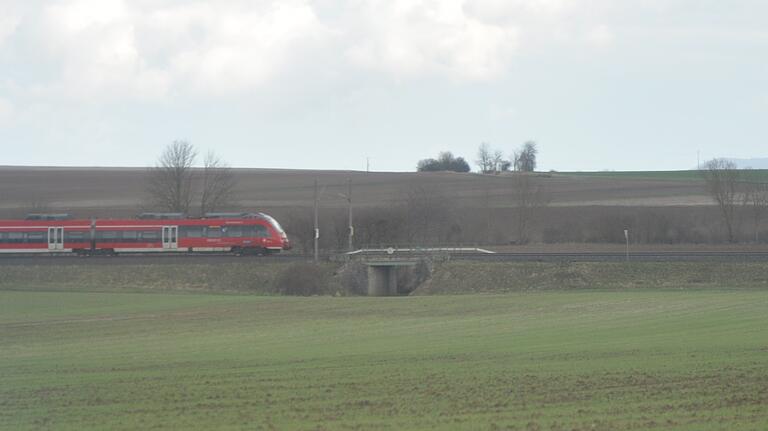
point(240, 233)
point(284, 243)
point(169, 233)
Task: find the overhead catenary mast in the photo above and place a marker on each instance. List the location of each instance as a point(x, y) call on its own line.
point(317, 229)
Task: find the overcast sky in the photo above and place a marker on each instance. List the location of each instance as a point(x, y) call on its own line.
point(599, 84)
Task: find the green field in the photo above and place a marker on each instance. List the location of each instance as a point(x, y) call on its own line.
point(587, 360)
point(690, 175)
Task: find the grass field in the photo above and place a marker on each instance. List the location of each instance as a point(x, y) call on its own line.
point(693, 175)
point(541, 361)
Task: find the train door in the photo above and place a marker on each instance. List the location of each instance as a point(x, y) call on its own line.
point(55, 238)
point(170, 237)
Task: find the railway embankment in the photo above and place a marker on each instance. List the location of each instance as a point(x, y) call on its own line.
point(460, 277)
point(248, 276)
point(263, 277)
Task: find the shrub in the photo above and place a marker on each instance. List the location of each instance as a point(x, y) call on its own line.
point(446, 161)
point(409, 278)
point(353, 277)
point(303, 279)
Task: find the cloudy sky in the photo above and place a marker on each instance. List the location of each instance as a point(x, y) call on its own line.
point(599, 84)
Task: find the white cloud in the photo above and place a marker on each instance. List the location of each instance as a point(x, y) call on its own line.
point(600, 36)
point(516, 10)
point(7, 110)
point(8, 25)
point(145, 49)
point(93, 45)
point(118, 49)
point(80, 15)
point(424, 38)
point(227, 51)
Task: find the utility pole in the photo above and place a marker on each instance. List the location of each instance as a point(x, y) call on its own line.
point(626, 237)
point(317, 229)
point(349, 201)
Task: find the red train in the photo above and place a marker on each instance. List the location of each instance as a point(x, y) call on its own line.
point(239, 233)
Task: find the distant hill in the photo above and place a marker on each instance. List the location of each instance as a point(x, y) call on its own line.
point(113, 192)
point(754, 163)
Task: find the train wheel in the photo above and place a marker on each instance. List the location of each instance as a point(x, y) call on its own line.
point(253, 251)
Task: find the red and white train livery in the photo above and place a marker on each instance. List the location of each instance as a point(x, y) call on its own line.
point(246, 233)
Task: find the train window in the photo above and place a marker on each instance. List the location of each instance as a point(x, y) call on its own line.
point(15, 237)
point(150, 235)
point(74, 236)
point(36, 237)
point(233, 231)
point(261, 231)
point(108, 235)
point(213, 232)
point(192, 231)
point(130, 235)
point(256, 231)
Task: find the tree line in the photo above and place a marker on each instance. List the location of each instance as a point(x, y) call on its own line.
point(489, 160)
point(424, 215)
point(177, 184)
point(736, 195)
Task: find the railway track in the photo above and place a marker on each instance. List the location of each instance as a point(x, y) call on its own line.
point(645, 256)
point(141, 259)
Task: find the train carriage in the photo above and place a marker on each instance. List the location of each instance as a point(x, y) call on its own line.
point(56, 234)
point(244, 233)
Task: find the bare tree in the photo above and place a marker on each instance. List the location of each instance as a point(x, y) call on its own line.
point(38, 204)
point(485, 158)
point(217, 184)
point(498, 161)
point(525, 158)
point(381, 226)
point(756, 200)
point(174, 184)
point(722, 182)
point(301, 228)
point(528, 198)
point(428, 214)
point(169, 183)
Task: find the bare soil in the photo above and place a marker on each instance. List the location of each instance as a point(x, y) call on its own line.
point(120, 191)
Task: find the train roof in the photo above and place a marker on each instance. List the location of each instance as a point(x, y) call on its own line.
point(40, 216)
point(143, 218)
point(234, 215)
point(161, 216)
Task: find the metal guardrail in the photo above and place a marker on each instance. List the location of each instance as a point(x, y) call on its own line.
point(420, 250)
